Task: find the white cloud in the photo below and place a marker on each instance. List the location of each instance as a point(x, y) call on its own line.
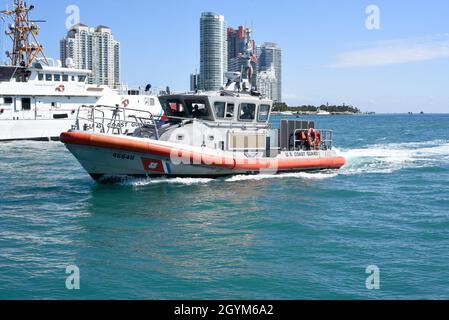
point(395, 52)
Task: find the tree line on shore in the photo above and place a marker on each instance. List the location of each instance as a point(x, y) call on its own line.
point(283, 107)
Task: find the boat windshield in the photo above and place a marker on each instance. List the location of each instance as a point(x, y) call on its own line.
point(264, 112)
point(187, 109)
point(175, 108)
point(198, 109)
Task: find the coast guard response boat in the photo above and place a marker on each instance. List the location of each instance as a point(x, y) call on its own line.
point(39, 100)
point(204, 134)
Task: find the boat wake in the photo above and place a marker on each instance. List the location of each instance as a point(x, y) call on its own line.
point(379, 158)
point(295, 175)
point(181, 181)
point(132, 182)
point(389, 158)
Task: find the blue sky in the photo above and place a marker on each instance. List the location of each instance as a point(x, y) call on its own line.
point(328, 53)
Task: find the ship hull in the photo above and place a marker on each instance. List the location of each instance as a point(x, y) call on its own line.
point(107, 158)
point(38, 130)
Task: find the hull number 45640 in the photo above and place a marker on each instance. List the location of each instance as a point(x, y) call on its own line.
point(122, 156)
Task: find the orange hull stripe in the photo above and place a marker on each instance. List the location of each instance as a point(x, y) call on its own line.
point(117, 143)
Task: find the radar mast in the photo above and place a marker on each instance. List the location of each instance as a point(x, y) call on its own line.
point(23, 33)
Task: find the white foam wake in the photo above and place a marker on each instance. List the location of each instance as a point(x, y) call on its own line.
point(180, 181)
point(379, 158)
point(199, 181)
point(388, 158)
point(295, 175)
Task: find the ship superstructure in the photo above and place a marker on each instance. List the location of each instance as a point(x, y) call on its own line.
point(39, 98)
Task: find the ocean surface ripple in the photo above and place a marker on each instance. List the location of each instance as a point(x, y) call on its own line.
point(291, 236)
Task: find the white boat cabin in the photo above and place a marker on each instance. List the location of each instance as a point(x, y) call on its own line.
point(43, 92)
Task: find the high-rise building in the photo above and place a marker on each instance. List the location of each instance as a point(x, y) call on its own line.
point(214, 51)
point(270, 58)
point(238, 41)
point(194, 81)
point(93, 49)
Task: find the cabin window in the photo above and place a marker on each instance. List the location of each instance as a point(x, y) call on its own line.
point(230, 111)
point(40, 77)
point(197, 109)
point(65, 78)
point(26, 104)
point(224, 111)
point(48, 77)
point(247, 112)
point(7, 73)
point(133, 92)
point(7, 100)
point(220, 109)
point(73, 78)
point(175, 109)
point(61, 116)
point(264, 112)
point(81, 78)
point(22, 75)
point(57, 77)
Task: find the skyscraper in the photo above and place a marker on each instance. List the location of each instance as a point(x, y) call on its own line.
point(236, 42)
point(238, 39)
point(194, 81)
point(93, 49)
point(270, 58)
point(214, 51)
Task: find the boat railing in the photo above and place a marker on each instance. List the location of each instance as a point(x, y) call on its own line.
point(218, 124)
point(325, 144)
point(138, 91)
point(114, 120)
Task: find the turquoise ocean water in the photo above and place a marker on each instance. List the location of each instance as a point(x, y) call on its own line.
point(296, 236)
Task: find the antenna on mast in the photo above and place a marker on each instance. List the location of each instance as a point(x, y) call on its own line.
point(2, 40)
point(23, 32)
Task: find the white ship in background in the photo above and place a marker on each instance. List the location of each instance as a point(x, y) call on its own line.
point(39, 100)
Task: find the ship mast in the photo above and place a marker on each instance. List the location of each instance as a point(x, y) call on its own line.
point(23, 33)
